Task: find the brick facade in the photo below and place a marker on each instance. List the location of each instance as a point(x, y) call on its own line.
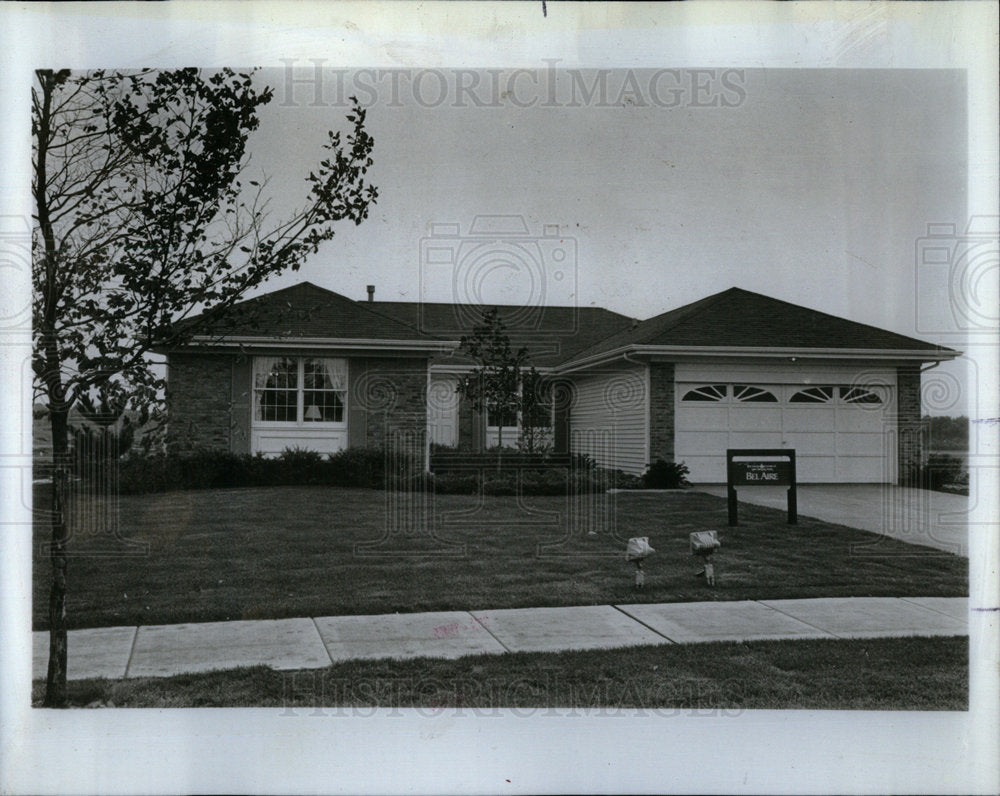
point(661, 411)
point(388, 400)
point(199, 401)
point(909, 445)
point(209, 400)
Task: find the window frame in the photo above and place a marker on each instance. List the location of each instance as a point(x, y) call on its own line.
point(854, 395)
point(752, 394)
point(812, 395)
point(519, 420)
point(707, 394)
point(300, 390)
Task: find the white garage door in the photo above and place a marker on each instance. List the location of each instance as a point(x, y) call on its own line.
point(840, 433)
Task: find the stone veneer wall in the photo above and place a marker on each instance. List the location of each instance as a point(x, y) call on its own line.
point(661, 411)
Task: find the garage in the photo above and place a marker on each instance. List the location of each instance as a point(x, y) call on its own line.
point(841, 423)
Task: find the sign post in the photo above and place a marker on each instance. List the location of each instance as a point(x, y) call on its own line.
point(760, 467)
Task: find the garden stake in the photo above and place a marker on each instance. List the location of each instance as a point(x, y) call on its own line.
point(637, 549)
point(703, 545)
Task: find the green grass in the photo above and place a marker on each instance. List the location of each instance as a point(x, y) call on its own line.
point(871, 674)
point(290, 551)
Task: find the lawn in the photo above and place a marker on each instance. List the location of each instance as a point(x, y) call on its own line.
point(319, 551)
point(870, 674)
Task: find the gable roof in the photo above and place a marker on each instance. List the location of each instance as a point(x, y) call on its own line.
point(551, 334)
point(306, 310)
point(739, 318)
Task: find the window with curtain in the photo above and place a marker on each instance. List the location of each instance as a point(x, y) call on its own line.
point(276, 389)
point(299, 389)
point(324, 384)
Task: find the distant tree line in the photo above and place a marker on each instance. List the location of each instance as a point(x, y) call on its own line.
point(947, 433)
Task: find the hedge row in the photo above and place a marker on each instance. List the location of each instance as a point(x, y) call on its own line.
point(208, 469)
point(367, 468)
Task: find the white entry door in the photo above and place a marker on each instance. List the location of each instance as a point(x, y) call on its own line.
point(442, 410)
point(840, 433)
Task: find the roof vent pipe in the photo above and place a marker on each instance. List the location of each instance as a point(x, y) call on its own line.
point(371, 292)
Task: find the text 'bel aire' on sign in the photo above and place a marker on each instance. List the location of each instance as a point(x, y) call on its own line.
point(762, 473)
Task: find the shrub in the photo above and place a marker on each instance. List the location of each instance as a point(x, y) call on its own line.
point(547, 481)
point(201, 469)
point(939, 471)
point(534, 474)
point(296, 466)
point(455, 483)
point(665, 475)
point(620, 480)
point(210, 469)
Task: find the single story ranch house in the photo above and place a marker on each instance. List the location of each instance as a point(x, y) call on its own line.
point(307, 367)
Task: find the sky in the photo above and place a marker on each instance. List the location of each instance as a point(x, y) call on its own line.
point(814, 186)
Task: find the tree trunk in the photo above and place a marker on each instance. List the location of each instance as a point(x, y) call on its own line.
point(499, 442)
point(55, 684)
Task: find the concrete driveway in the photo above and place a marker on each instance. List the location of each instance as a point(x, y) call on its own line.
point(917, 516)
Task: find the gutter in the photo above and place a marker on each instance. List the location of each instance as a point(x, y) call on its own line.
point(920, 355)
point(359, 344)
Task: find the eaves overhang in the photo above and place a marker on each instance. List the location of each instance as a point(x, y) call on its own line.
point(458, 369)
point(332, 343)
point(677, 353)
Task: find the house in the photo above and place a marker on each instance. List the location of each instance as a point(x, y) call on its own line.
point(308, 367)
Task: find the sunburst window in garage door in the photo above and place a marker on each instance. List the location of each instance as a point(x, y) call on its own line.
point(859, 395)
point(710, 392)
point(813, 395)
point(758, 395)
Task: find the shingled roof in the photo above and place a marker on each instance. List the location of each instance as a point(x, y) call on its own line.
point(554, 336)
point(306, 310)
point(551, 334)
point(742, 319)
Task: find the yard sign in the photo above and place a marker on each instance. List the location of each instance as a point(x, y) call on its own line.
point(761, 467)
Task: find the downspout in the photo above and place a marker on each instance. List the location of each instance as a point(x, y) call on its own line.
point(920, 413)
point(427, 408)
point(646, 388)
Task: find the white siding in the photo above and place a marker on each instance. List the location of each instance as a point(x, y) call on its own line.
point(609, 417)
point(273, 441)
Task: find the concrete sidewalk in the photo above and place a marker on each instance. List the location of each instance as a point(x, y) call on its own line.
point(164, 650)
point(917, 516)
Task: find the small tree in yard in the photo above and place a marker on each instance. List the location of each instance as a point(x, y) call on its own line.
point(493, 385)
point(536, 408)
point(143, 220)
